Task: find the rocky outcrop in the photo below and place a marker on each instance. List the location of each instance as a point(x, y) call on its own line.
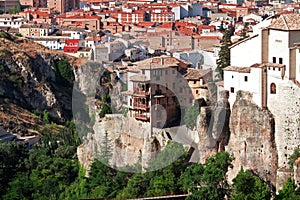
point(252, 139)
point(29, 80)
point(212, 131)
point(130, 140)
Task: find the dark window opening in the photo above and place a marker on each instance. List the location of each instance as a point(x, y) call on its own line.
point(280, 60)
point(273, 88)
point(232, 89)
point(274, 59)
point(246, 78)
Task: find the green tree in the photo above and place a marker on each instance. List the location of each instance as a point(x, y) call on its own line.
point(12, 157)
point(191, 179)
point(249, 187)
point(65, 71)
point(16, 9)
point(211, 183)
point(224, 54)
point(105, 149)
point(21, 187)
point(289, 191)
point(190, 117)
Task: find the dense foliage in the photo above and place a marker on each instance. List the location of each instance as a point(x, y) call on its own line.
point(64, 72)
point(51, 171)
point(190, 117)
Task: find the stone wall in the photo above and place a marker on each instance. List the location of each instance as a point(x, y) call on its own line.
point(285, 106)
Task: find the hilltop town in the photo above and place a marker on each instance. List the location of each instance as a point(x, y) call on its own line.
point(215, 76)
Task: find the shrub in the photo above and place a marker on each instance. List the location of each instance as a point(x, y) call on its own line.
point(190, 117)
point(105, 109)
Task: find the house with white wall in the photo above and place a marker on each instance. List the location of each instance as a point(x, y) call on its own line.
point(262, 61)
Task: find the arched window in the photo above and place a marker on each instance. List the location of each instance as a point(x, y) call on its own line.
point(273, 88)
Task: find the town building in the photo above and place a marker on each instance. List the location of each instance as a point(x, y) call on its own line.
point(157, 91)
point(52, 42)
point(79, 21)
point(197, 80)
point(62, 6)
point(33, 30)
point(12, 21)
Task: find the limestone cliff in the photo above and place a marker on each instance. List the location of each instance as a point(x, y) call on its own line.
point(129, 138)
point(212, 131)
point(28, 79)
point(252, 140)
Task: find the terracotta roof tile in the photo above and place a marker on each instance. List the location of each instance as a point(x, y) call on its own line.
point(286, 22)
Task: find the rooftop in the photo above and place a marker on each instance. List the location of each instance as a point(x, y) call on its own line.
point(196, 74)
point(238, 69)
point(286, 22)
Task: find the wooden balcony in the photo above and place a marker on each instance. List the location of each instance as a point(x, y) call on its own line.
point(141, 92)
point(142, 117)
point(140, 106)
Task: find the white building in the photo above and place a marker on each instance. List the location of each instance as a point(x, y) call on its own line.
point(276, 51)
point(54, 42)
point(187, 10)
point(11, 21)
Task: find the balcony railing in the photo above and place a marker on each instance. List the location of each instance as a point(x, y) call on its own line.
point(140, 106)
point(143, 117)
point(141, 92)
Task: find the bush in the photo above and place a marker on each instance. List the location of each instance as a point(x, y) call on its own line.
point(190, 117)
point(18, 35)
point(64, 70)
point(105, 109)
point(294, 157)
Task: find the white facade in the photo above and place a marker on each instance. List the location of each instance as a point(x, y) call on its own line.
point(54, 43)
point(253, 54)
point(12, 22)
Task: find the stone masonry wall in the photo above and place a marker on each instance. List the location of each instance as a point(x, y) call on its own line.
point(285, 106)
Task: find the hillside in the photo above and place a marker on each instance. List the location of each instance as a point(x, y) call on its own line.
point(33, 79)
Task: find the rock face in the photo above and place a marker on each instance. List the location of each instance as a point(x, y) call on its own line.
point(252, 139)
point(28, 78)
point(212, 131)
point(129, 140)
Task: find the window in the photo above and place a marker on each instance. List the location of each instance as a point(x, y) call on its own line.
point(246, 78)
point(273, 88)
point(232, 89)
point(197, 91)
point(280, 60)
point(195, 82)
point(232, 76)
point(274, 59)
